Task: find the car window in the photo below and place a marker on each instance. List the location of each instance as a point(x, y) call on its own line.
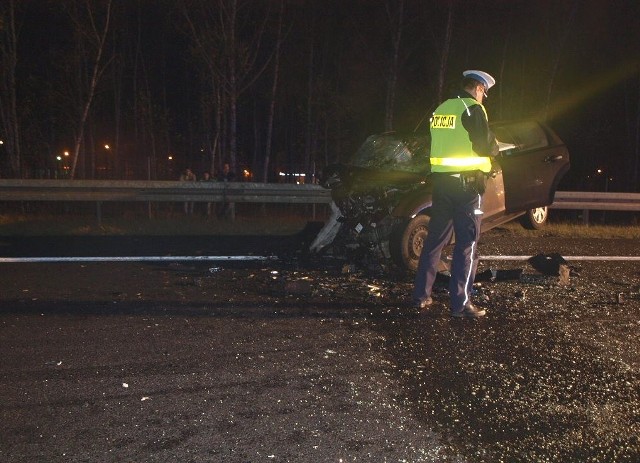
point(525, 135)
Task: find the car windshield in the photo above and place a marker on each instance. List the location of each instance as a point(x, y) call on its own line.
point(391, 151)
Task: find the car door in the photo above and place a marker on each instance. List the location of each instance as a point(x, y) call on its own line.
point(531, 171)
point(493, 198)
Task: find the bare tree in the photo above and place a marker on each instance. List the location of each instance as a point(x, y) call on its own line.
point(635, 180)
point(311, 76)
point(85, 17)
point(8, 90)
point(145, 107)
point(444, 55)
point(211, 108)
point(230, 53)
point(117, 86)
point(274, 90)
point(558, 47)
point(396, 22)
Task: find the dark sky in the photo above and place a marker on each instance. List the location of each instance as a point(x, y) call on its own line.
point(573, 62)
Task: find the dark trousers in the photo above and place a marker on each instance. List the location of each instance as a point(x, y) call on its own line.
point(453, 211)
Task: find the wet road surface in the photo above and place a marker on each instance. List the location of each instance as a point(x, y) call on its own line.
point(287, 361)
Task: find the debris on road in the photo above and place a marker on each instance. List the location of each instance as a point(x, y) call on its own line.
point(564, 271)
point(549, 264)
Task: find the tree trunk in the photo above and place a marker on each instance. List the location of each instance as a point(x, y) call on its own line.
point(8, 91)
point(274, 92)
point(215, 147)
point(396, 23)
point(566, 26)
point(444, 57)
point(98, 68)
point(636, 166)
point(117, 117)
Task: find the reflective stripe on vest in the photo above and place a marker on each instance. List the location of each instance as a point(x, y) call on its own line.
point(471, 163)
point(451, 149)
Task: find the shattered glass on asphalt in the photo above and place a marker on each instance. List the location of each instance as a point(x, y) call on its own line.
point(291, 362)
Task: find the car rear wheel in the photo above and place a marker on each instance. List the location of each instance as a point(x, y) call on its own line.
point(407, 240)
point(534, 219)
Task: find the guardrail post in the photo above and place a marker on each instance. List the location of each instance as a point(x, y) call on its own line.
point(99, 212)
point(585, 217)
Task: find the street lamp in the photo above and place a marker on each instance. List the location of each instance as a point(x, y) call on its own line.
point(60, 167)
point(104, 168)
point(65, 167)
point(606, 178)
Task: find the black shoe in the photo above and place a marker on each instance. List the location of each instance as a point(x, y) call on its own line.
point(421, 305)
point(469, 311)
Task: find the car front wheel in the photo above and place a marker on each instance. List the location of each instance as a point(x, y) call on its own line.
point(534, 219)
point(407, 240)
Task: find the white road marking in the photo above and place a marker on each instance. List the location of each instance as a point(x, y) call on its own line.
point(604, 258)
point(7, 260)
point(134, 259)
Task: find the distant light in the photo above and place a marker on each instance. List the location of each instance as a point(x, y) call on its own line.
point(170, 158)
point(66, 153)
point(1, 142)
point(599, 171)
point(107, 147)
point(283, 174)
point(59, 158)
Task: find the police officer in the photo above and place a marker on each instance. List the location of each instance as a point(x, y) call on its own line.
point(461, 150)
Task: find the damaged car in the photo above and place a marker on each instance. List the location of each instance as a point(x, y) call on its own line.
point(381, 199)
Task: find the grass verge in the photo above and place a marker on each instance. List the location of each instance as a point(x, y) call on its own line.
point(574, 230)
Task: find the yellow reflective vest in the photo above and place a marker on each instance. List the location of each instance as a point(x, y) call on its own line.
point(451, 149)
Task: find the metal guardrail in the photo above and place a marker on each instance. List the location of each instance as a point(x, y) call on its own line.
point(172, 191)
point(589, 200)
point(159, 191)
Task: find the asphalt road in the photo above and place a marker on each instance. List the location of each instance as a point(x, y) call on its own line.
point(291, 360)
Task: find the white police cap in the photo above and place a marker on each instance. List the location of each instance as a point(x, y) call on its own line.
point(482, 77)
